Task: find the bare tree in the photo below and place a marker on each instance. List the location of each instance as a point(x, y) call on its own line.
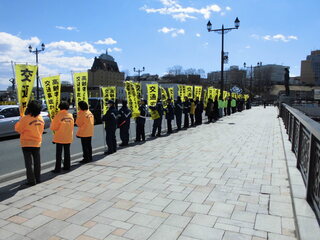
point(175, 70)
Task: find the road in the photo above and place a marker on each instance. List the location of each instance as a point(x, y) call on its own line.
point(11, 157)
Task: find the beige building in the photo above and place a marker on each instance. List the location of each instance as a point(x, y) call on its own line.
point(310, 69)
point(104, 72)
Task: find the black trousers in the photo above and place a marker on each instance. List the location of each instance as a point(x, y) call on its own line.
point(192, 119)
point(234, 109)
point(111, 140)
point(32, 163)
point(229, 110)
point(198, 117)
point(186, 120)
point(124, 133)
point(66, 159)
point(156, 126)
point(86, 148)
point(169, 124)
point(178, 120)
point(140, 134)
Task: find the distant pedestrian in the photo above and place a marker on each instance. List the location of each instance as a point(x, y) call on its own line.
point(140, 122)
point(157, 120)
point(169, 115)
point(31, 128)
point(209, 110)
point(62, 125)
point(85, 123)
point(192, 111)
point(186, 111)
point(110, 124)
point(233, 105)
point(229, 106)
point(124, 117)
point(220, 107)
point(216, 109)
point(178, 109)
point(198, 111)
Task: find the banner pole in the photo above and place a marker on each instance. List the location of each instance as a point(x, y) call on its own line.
point(103, 128)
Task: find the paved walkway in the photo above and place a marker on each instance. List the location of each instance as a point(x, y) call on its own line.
point(226, 180)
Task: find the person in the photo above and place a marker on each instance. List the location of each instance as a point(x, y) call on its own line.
point(31, 128)
point(229, 106)
point(216, 109)
point(110, 124)
point(186, 111)
point(62, 125)
point(233, 105)
point(192, 111)
point(264, 103)
point(220, 107)
point(225, 106)
point(178, 112)
point(85, 123)
point(169, 115)
point(157, 120)
point(209, 110)
point(198, 111)
point(140, 122)
point(124, 123)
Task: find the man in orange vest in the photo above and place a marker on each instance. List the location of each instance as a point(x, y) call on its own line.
point(62, 125)
point(31, 127)
point(85, 123)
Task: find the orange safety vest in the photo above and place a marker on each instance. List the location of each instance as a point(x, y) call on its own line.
point(31, 130)
point(85, 123)
point(62, 125)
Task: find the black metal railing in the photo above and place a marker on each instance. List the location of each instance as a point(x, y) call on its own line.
point(304, 135)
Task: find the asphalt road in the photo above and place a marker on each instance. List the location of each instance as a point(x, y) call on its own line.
point(11, 157)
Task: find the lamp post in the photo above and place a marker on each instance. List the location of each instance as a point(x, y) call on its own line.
point(222, 31)
point(245, 66)
point(36, 52)
point(139, 71)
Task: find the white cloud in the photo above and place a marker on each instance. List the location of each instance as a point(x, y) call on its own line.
point(67, 28)
point(53, 60)
point(178, 12)
point(107, 41)
point(248, 46)
point(275, 38)
point(228, 8)
point(174, 31)
point(198, 35)
point(115, 49)
point(82, 47)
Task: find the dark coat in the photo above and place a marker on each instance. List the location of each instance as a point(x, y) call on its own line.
point(178, 107)
point(124, 116)
point(169, 112)
point(110, 118)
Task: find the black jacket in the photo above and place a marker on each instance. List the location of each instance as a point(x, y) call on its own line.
point(158, 108)
point(186, 107)
point(124, 116)
point(143, 114)
point(178, 107)
point(110, 118)
point(169, 111)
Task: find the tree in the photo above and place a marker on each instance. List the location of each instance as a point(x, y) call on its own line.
point(175, 70)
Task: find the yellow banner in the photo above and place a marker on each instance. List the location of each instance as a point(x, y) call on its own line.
point(25, 76)
point(152, 94)
point(198, 92)
point(164, 97)
point(171, 93)
point(52, 91)
point(132, 98)
point(182, 92)
point(108, 93)
point(205, 94)
point(189, 92)
point(225, 94)
point(80, 85)
point(139, 90)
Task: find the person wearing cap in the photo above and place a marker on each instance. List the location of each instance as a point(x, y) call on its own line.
point(169, 115)
point(124, 123)
point(62, 125)
point(178, 108)
point(31, 128)
point(85, 123)
point(186, 110)
point(140, 122)
point(110, 124)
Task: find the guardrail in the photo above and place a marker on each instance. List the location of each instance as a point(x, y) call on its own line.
point(304, 135)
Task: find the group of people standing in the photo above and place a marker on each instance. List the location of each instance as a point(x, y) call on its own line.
point(31, 127)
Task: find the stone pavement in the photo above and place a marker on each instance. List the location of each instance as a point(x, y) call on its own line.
point(222, 181)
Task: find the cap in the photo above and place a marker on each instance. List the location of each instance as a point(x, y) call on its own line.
point(110, 102)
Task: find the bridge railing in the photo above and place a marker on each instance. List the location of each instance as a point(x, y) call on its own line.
point(304, 135)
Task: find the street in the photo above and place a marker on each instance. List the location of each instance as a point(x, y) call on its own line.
point(12, 158)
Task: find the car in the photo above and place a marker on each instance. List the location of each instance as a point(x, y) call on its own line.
point(10, 115)
point(95, 109)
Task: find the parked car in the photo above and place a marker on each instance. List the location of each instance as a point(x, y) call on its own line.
point(9, 115)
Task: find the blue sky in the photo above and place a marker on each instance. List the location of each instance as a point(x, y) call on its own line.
point(155, 34)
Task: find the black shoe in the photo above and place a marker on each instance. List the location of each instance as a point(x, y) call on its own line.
point(27, 184)
point(158, 135)
point(137, 140)
point(83, 161)
point(55, 171)
point(123, 144)
point(107, 152)
point(66, 169)
point(152, 135)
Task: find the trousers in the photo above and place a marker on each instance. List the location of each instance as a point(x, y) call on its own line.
point(32, 163)
point(86, 148)
point(66, 160)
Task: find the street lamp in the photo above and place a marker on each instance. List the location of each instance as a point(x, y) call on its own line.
point(245, 66)
point(139, 71)
point(37, 51)
point(222, 31)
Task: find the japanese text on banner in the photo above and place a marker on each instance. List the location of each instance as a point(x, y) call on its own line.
point(164, 97)
point(108, 93)
point(197, 92)
point(189, 92)
point(132, 98)
point(25, 76)
point(80, 84)
point(52, 91)
point(171, 93)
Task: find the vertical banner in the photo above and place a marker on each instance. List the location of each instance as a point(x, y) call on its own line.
point(153, 91)
point(182, 92)
point(138, 90)
point(171, 93)
point(25, 76)
point(197, 92)
point(164, 97)
point(108, 93)
point(52, 91)
point(189, 92)
point(80, 85)
point(132, 98)
point(205, 98)
point(225, 94)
